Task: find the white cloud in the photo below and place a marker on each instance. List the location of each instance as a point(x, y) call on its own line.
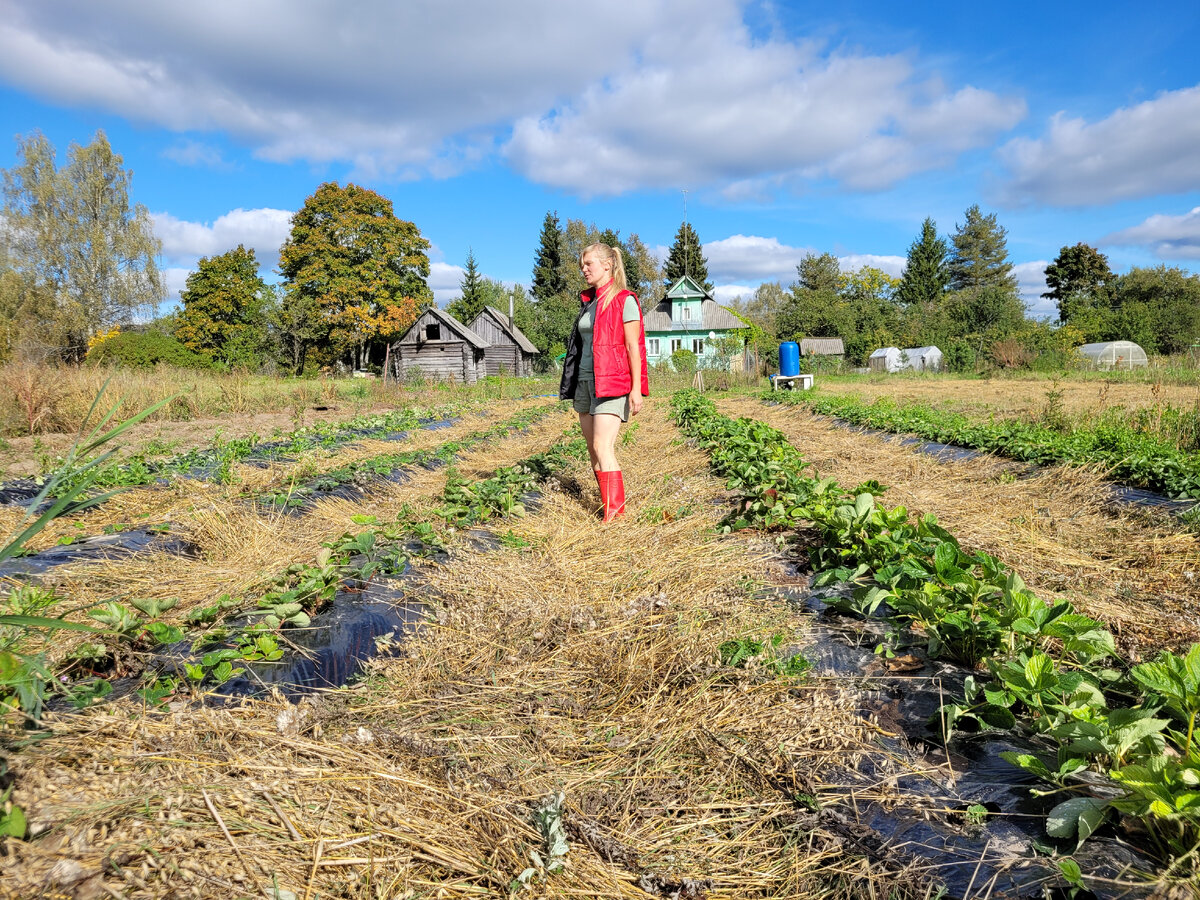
point(174, 281)
point(711, 104)
point(398, 88)
point(196, 153)
point(409, 89)
point(1031, 283)
point(263, 229)
point(892, 265)
point(727, 293)
point(1138, 151)
point(750, 257)
point(445, 280)
point(1168, 237)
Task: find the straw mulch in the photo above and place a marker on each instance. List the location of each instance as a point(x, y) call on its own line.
point(581, 660)
point(1134, 569)
point(176, 501)
point(240, 547)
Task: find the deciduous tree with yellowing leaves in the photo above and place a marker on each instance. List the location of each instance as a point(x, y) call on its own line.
point(355, 274)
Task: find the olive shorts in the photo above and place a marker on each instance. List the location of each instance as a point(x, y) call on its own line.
point(586, 400)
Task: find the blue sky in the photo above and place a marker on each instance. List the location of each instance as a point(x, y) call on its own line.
point(794, 127)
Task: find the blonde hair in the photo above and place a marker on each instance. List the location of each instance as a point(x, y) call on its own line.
point(613, 254)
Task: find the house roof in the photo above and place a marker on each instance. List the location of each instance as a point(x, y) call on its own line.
point(885, 351)
point(511, 330)
point(823, 346)
point(450, 322)
point(687, 288)
point(713, 317)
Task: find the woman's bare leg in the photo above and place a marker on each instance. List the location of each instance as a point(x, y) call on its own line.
point(586, 425)
point(604, 436)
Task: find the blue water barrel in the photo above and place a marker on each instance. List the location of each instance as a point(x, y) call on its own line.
point(789, 359)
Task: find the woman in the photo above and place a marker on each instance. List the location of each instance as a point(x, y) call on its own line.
point(604, 371)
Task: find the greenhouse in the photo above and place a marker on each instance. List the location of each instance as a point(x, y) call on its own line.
point(922, 359)
point(1114, 355)
point(885, 359)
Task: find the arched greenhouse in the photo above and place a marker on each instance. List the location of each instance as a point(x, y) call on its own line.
point(1115, 355)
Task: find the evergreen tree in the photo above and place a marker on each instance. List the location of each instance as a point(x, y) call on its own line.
point(472, 301)
point(686, 258)
point(649, 272)
point(633, 279)
point(819, 273)
point(980, 257)
point(927, 271)
point(547, 266)
point(223, 308)
point(1079, 279)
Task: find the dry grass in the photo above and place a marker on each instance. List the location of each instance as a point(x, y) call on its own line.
point(1133, 569)
point(42, 407)
point(584, 664)
point(1015, 396)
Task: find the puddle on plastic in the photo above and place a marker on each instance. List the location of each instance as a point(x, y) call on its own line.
point(356, 627)
point(988, 851)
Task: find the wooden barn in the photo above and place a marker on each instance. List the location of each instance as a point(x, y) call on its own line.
point(509, 351)
point(439, 347)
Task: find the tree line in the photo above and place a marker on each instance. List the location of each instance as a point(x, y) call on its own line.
point(79, 278)
point(960, 293)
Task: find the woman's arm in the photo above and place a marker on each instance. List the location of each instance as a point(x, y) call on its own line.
point(633, 334)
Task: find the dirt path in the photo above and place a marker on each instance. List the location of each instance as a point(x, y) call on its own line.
point(1134, 570)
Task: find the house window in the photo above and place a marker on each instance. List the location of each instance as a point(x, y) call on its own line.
point(676, 344)
point(685, 313)
point(697, 346)
point(433, 332)
point(652, 346)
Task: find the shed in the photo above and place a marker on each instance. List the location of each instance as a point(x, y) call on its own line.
point(885, 359)
point(509, 351)
point(922, 359)
point(1115, 355)
point(822, 346)
point(439, 346)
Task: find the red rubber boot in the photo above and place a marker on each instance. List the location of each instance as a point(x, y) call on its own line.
point(612, 492)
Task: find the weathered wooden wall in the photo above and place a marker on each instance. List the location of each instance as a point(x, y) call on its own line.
point(504, 353)
point(447, 357)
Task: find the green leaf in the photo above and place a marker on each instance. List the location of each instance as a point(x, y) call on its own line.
point(1071, 872)
point(1077, 817)
point(44, 622)
point(12, 823)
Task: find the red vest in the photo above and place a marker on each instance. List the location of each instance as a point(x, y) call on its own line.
point(610, 358)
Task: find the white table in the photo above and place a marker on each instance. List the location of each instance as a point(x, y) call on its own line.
point(789, 382)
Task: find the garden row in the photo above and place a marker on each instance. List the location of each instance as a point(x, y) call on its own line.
point(1132, 456)
point(211, 641)
point(216, 463)
point(1053, 675)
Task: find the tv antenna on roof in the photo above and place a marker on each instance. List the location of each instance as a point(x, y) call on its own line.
point(687, 246)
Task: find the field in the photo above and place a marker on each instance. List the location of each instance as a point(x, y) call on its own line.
point(764, 681)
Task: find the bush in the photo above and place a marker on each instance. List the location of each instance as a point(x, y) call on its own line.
point(146, 349)
point(684, 361)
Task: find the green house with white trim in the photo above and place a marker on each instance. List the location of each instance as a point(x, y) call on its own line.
point(687, 318)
